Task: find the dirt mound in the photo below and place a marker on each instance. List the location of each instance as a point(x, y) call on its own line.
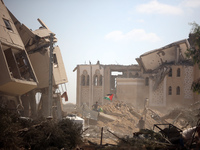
point(121, 119)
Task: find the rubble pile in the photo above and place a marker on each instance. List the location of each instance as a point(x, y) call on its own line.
point(127, 117)
point(122, 122)
point(123, 119)
point(182, 118)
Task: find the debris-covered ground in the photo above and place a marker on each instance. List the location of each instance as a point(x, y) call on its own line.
point(115, 128)
point(123, 119)
point(20, 133)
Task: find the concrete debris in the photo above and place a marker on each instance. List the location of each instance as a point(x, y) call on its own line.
point(159, 76)
point(122, 118)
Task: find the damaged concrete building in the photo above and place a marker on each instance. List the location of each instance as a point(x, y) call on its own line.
point(95, 81)
point(17, 76)
point(37, 45)
point(164, 76)
point(170, 75)
point(25, 61)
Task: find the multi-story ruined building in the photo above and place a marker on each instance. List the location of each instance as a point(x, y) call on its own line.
point(164, 76)
point(17, 76)
point(37, 44)
point(25, 55)
point(170, 75)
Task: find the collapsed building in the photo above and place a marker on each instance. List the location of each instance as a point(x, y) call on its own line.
point(17, 76)
point(163, 75)
point(25, 65)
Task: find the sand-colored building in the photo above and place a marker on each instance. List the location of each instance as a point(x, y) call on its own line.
point(17, 76)
point(37, 44)
point(164, 76)
point(95, 81)
point(25, 66)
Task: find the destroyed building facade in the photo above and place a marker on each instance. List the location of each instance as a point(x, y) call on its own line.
point(164, 76)
point(17, 75)
point(95, 81)
point(170, 75)
point(37, 45)
point(25, 64)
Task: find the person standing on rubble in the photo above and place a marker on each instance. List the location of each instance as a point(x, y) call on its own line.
point(95, 106)
point(141, 123)
point(146, 103)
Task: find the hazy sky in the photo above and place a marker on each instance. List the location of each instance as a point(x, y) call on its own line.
point(111, 31)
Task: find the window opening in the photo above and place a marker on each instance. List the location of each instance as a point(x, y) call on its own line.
point(178, 72)
point(82, 80)
point(100, 80)
point(116, 73)
point(7, 23)
point(19, 65)
point(55, 61)
point(88, 80)
point(170, 90)
point(170, 72)
point(12, 63)
point(95, 80)
point(115, 83)
point(178, 90)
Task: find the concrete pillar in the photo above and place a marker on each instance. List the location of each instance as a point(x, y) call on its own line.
point(25, 102)
point(44, 103)
point(33, 104)
point(59, 107)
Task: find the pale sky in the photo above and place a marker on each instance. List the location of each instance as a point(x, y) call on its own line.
point(111, 31)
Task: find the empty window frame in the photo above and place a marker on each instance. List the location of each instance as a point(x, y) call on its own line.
point(170, 90)
point(7, 23)
point(55, 61)
point(178, 72)
point(88, 80)
point(170, 72)
point(100, 80)
point(178, 91)
point(83, 80)
point(95, 80)
point(18, 64)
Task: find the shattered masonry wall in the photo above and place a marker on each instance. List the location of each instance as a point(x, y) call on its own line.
point(17, 76)
point(157, 97)
point(188, 74)
point(161, 96)
point(134, 89)
point(196, 74)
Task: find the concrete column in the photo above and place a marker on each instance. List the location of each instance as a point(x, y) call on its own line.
point(59, 107)
point(25, 102)
point(33, 104)
point(44, 103)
